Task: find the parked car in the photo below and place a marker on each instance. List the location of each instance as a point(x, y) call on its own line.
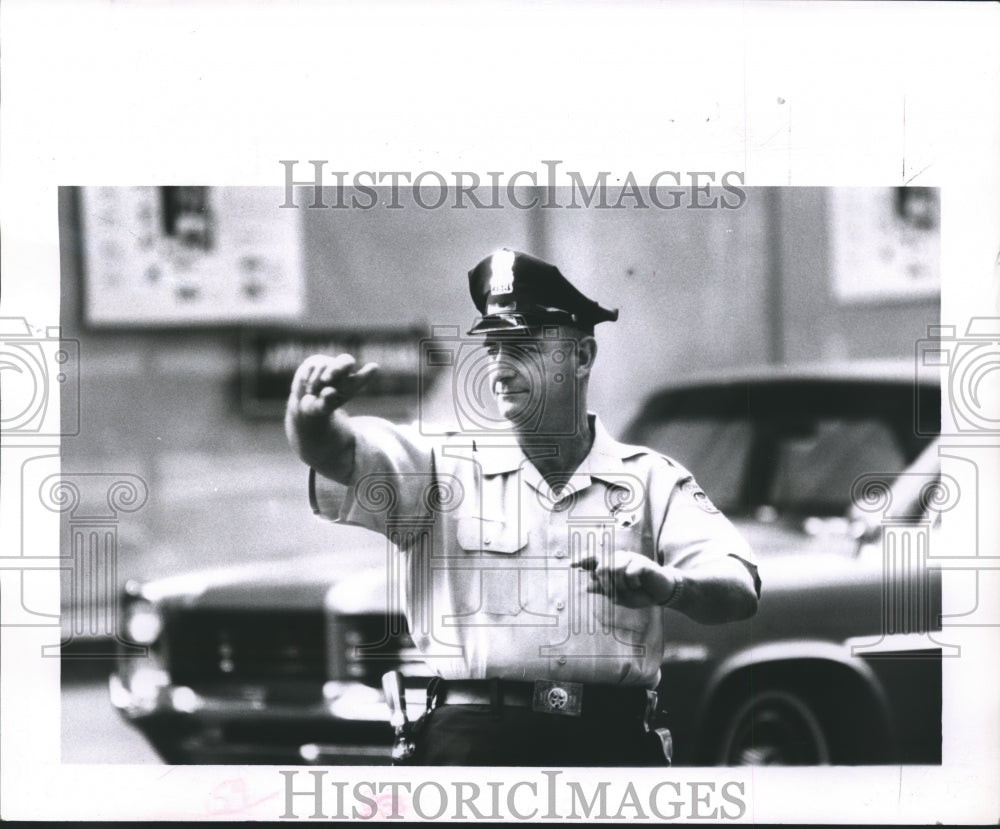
point(838, 666)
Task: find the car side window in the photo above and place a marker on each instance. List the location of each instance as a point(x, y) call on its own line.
point(815, 467)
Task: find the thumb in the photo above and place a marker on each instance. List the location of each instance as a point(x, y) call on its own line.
point(348, 386)
point(633, 575)
point(363, 375)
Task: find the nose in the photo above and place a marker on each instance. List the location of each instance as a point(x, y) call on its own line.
point(501, 368)
point(503, 362)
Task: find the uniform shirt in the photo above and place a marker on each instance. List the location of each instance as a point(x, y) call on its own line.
point(486, 544)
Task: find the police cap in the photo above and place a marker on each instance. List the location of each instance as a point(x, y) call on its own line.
point(515, 292)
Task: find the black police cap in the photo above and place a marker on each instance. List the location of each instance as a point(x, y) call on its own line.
point(516, 292)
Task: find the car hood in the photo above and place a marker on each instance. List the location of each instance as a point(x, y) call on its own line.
point(364, 592)
point(350, 578)
point(786, 536)
point(287, 583)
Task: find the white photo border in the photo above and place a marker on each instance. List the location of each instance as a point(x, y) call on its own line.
point(127, 92)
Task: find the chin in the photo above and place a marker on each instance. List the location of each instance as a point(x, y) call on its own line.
point(512, 410)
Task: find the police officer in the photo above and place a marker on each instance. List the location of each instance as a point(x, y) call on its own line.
point(540, 562)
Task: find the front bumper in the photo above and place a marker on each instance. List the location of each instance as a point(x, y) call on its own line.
point(348, 727)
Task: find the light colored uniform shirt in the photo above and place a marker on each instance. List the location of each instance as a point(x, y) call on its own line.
point(485, 549)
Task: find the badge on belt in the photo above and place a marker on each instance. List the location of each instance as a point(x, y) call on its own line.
point(555, 697)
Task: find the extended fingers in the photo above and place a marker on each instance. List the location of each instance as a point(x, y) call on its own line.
point(598, 573)
point(324, 383)
point(350, 383)
point(307, 379)
point(602, 574)
point(631, 575)
point(615, 575)
point(327, 371)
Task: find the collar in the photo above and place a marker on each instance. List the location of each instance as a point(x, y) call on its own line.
point(501, 454)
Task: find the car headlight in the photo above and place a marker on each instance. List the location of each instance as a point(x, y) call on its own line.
point(143, 622)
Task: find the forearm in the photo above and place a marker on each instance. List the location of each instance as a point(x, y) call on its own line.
point(326, 443)
point(713, 592)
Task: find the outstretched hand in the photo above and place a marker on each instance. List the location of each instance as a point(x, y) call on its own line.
point(323, 384)
point(629, 579)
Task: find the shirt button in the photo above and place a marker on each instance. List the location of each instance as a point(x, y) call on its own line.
point(561, 660)
point(487, 541)
point(560, 554)
point(560, 605)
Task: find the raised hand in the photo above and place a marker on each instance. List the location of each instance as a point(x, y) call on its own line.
point(321, 436)
point(323, 384)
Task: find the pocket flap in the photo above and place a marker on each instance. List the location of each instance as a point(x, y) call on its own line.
point(479, 534)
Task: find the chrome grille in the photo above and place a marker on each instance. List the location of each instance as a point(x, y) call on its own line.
point(212, 647)
point(365, 646)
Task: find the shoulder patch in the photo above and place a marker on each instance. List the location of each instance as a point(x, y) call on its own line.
point(692, 490)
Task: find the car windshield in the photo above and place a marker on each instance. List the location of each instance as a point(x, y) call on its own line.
point(797, 466)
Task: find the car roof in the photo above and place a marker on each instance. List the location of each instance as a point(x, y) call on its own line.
point(894, 391)
point(891, 371)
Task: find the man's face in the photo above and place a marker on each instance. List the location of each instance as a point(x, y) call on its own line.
point(531, 373)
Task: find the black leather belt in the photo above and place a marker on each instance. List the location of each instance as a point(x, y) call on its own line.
point(549, 697)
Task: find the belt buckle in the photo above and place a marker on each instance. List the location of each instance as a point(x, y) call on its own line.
point(555, 697)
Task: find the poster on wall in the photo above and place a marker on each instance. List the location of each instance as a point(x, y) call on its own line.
point(885, 243)
point(166, 256)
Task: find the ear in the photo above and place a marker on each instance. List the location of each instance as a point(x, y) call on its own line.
point(586, 353)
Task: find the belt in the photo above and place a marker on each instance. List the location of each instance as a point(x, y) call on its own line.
point(549, 697)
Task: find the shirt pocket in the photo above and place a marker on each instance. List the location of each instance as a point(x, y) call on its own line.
point(496, 544)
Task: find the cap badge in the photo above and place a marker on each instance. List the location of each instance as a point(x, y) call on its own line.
point(502, 272)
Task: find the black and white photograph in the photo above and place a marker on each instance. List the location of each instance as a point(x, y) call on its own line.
point(267, 633)
point(624, 480)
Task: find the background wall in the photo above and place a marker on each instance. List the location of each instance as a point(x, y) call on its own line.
point(697, 289)
point(692, 286)
point(814, 324)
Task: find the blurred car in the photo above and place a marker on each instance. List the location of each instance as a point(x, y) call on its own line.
point(838, 666)
point(244, 664)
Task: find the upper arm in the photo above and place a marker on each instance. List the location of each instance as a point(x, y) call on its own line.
point(693, 530)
